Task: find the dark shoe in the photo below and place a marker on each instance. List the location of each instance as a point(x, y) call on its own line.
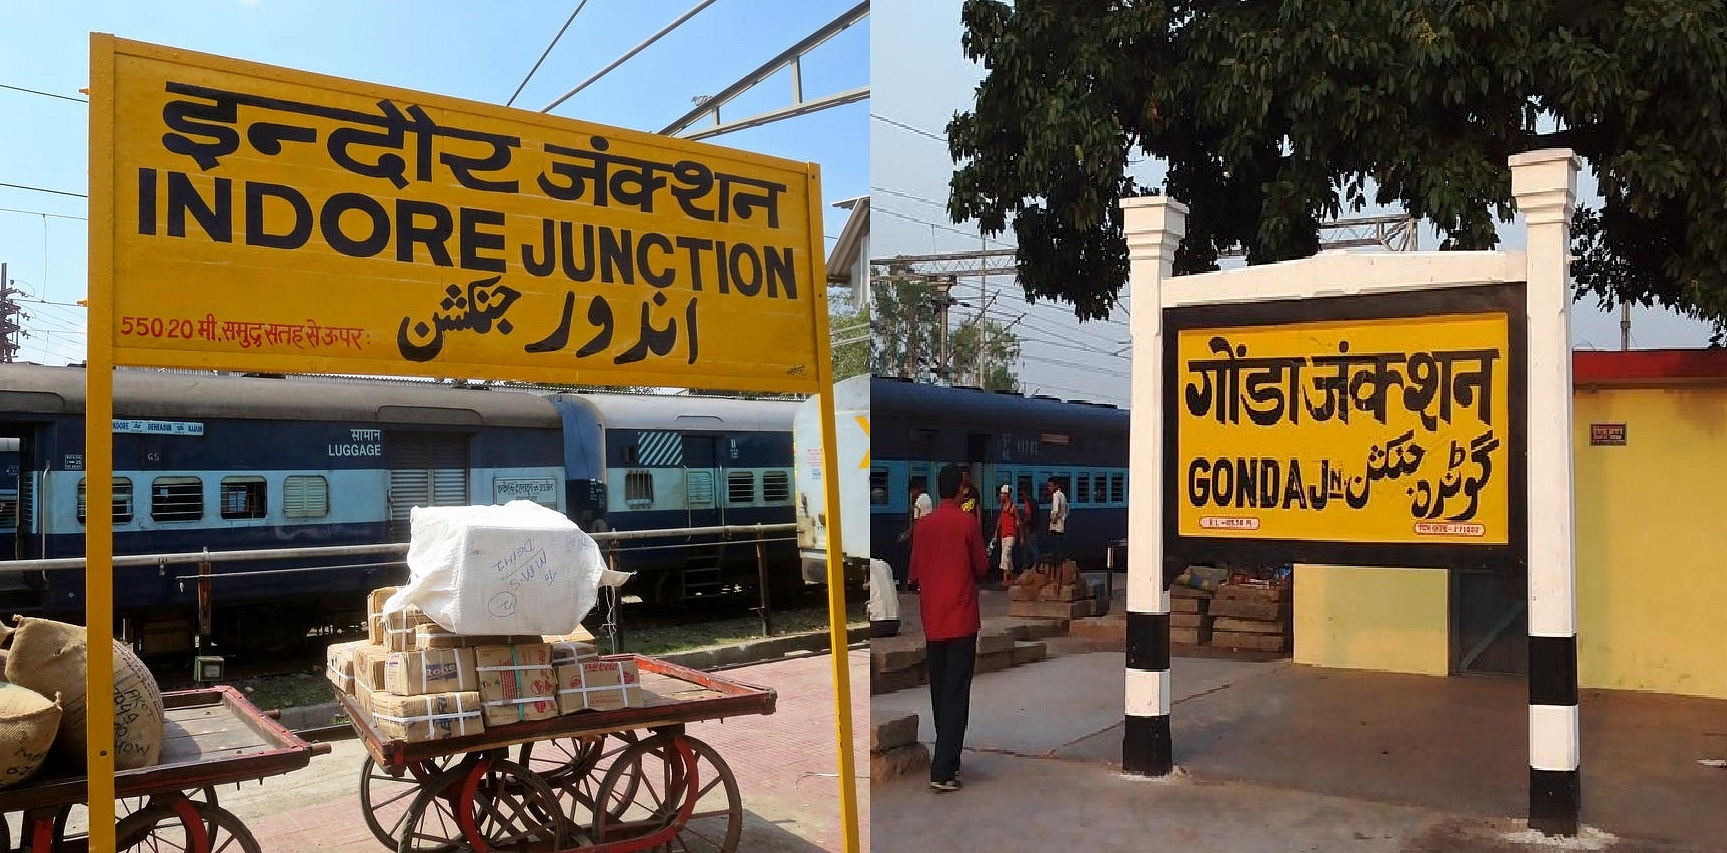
point(946, 785)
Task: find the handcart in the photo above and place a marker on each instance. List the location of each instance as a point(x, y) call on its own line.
point(212, 736)
point(595, 781)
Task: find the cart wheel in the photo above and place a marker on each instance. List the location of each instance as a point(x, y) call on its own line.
point(573, 767)
point(647, 785)
point(124, 807)
point(386, 800)
point(490, 805)
point(160, 827)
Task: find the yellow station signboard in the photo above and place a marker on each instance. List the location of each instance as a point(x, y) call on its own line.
point(277, 220)
point(1380, 431)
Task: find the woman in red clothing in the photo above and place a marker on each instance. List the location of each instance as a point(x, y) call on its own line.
point(1007, 525)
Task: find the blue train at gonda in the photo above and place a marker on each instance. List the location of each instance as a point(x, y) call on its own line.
point(227, 463)
point(1000, 438)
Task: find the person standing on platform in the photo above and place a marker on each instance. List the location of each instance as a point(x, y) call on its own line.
point(1028, 544)
point(947, 561)
point(1007, 525)
point(1057, 522)
point(920, 507)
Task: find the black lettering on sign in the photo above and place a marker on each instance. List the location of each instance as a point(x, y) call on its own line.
point(695, 246)
point(258, 235)
point(782, 273)
point(376, 237)
point(615, 256)
point(146, 201)
point(748, 281)
point(215, 216)
point(474, 240)
point(663, 278)
point(1198, 482)
point(432, 235)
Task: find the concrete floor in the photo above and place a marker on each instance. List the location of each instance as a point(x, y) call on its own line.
point(1281, 757)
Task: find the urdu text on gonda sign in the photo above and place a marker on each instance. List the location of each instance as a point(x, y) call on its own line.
point(1369, 431)
point(272, 219)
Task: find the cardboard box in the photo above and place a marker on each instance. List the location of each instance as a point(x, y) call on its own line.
point(375, 629)
point(401, 628)
point(431, 635)
point(568, 652)
point(426, 671)
point(517, 683)
point(440, 716)
point(339, 664)
point(376, 598)
point(369, 666)
point(599, 686)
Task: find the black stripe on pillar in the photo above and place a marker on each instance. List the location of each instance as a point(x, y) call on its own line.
point(1552, 670)
point(1145, 746)
point(1148, 641)
point(1555, 798)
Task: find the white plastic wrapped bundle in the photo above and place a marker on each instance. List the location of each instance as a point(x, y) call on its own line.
point(520, 568)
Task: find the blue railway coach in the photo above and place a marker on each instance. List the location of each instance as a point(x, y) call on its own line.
point(1001, 438)
point(224, 463)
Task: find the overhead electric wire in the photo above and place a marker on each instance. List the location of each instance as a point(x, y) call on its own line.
point(548, 52)
point(632, 52)
point(903, 126)
point(43, 213)
point(44, 94)
point(42, 190)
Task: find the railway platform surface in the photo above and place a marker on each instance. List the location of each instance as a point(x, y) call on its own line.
point(786, 766)
point(1276, 756)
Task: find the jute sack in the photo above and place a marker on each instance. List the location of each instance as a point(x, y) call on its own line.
point(27, 726)
point(49, 657)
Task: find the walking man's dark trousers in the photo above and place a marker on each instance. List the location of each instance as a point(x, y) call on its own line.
point(950, 670)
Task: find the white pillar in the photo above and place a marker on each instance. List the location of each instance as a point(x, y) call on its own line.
point(1544, 183)
point(1154, 227)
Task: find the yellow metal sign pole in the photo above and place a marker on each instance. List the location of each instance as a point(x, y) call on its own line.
point(99, 454)
point(836, 551)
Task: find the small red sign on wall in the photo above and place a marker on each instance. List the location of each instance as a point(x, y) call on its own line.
point(1607, 435)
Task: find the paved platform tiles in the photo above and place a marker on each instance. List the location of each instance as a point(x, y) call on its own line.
point(1417, 760)
point(785, 764)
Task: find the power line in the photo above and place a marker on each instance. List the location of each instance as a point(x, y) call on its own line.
point(41, 190)
point(42, 213)
point(908, 195)
point(44, 94)
point(548, 52)
point(903, 126)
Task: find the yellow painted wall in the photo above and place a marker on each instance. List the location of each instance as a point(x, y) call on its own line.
point(1372, 618)
point(1652, 541)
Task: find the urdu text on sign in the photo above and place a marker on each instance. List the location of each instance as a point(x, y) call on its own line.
point(277, 220)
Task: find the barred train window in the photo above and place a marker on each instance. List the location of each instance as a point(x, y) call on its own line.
point(1083, 495)
point(122, 501)
point(776, 486)
point(305, 496)
point(639, 489)
point(741, 487)
point(176, 499)
point(878, 490)
point(243, 497)
point(1117, 488)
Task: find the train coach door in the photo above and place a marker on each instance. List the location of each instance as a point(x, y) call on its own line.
point(426, 469)
point(12, 491)
point(704, 476)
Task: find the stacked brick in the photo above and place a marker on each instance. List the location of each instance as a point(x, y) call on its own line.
point(1050, 591)
point(894, 749)
point(413, 681)
point(1189, 622)
point(1254, 616)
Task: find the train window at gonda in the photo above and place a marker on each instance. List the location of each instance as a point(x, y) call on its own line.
point(878, 487)
point(1083, 495)
point(305, 496)
point(1117, 488)
point(122, 501)
point(243, 497)
point(1099, 488)
point(176, 499)
point(776, 487)
point(639, 489)
point(741, 487)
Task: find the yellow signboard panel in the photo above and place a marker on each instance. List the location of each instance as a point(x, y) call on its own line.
point(275, 220)
point(1378, 431)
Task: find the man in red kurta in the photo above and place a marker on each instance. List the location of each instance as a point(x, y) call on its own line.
point(948, 559)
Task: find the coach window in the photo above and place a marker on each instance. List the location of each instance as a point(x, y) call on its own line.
point(1083, 494)
point(878, 487)
point(639, 489)
point(122, 501)
point(1118, 488)
point(1100, 488)
point(776, 487)
point(243, 497)
point(305, 496)
point(176, 499)
point(1027, 490)
point(741, 487)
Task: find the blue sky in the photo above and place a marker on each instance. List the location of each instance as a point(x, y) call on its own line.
point(478, 51)
point(920, 78)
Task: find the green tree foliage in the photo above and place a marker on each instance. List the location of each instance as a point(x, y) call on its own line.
point(850, 330)
point(906, 328)
point(1273, 115)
